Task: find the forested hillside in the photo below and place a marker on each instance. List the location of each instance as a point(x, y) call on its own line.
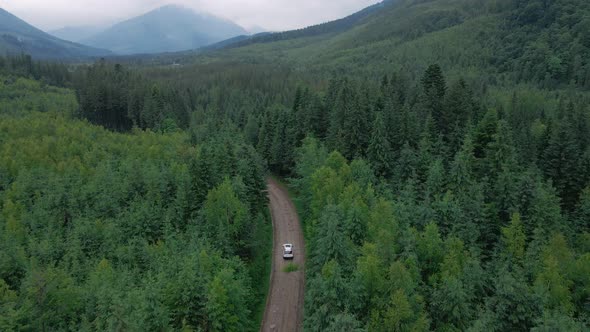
point(138, 231)
point(439, 152)
point(490, 41)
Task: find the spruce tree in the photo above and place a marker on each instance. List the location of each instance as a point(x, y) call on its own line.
point(460, 109)
point(562, 161)
point(379, 152)
point(434, 89)
point(338, 101)
point(356, 124)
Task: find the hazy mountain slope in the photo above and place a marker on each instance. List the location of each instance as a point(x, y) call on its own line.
point(76, 33)
point(167, 29)
point(17, 36)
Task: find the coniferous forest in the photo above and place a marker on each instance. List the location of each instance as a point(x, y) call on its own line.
point(437, 191)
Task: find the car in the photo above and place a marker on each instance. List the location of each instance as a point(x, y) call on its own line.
point(287, 251)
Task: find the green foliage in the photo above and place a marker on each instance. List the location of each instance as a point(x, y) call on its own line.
point(105, 231)
point(225, 218)
point(20, 95)
point(514, 239)
point(379, 152)
point(25, 67)
point(449, 235)
point(440, 151)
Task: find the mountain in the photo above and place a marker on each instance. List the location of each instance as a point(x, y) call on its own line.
point(76, 34)
point(17, 36)
point(508, 39)
point(335, 26)
point(167, 29)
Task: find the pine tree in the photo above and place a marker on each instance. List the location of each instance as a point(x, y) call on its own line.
point(405, 166)
point(339, 102)
point(434, 90)
point(485, 132)
point(331, 242)
point(545, 213)
point(226, 218)
point(460, 109)
point(379, 152)
point(356, 124)
point(226, 303)
point(328, 296)
point(265, 135)
point(514, 240)
point(456, 289)
point(513, 306)
point(582, 215)
point(463, 167)
point(553, 287)
point(251, 130)
point(561, 162)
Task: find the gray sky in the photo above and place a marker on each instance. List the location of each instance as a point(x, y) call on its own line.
point(274, 15)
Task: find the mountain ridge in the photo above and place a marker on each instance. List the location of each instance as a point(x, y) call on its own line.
point(18, 36)
point(505, 38)
point(171, 28)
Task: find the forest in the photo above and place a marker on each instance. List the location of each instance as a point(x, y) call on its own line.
point(135, 231)
point(447, 194)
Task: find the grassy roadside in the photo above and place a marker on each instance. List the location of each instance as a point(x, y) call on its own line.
point(291, 267)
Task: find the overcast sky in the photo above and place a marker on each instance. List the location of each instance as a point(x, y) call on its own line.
point(273, 15)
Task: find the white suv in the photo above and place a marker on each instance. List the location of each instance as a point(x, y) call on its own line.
point(287, 251)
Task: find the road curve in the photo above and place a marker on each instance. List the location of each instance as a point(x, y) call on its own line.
point(284, 304)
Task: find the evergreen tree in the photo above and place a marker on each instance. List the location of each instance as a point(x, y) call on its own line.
point(460, 109)
point(485, 132)
point(340, 103)
point(330, 243)
point(379, 151)
point(434, 89)
point(561, 163)
point(514, 240)
point(357, 125)
point(226, 218)
point(583, 212)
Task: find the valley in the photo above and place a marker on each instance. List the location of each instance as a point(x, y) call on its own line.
point(435, 156)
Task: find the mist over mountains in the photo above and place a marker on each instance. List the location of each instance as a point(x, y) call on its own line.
point(167, 29)
point(170, 28)
point(77, 33)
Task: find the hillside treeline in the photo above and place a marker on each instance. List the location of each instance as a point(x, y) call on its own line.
point(139, 231)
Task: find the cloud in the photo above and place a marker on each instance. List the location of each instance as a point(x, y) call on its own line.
point(274, 15)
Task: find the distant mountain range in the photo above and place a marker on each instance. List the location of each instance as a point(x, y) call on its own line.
point(17, 36)
point(167, 29)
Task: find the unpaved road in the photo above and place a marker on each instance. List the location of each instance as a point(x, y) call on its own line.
point(284, 304)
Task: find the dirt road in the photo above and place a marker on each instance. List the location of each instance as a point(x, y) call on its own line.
point(284, 304)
